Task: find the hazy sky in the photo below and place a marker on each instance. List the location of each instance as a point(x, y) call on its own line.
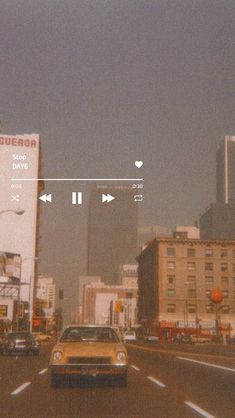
point(107, 82)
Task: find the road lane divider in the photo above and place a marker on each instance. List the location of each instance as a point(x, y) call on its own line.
point(204, 363)
point(42, 371)
point(135, 367)
point(157, 382)
point(200, 411)
point(21, 388)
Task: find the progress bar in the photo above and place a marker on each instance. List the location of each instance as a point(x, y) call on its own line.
point(50, 179)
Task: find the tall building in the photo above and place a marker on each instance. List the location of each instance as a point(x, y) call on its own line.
point(218, 221)
point(46, 292)
point(112, 232)
point(20, 158)
point(225, 171)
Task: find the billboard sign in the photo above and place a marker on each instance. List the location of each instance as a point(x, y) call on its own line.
point(10, 267)
point(19, 156)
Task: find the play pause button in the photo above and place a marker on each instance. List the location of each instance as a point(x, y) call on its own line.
point(77, 198)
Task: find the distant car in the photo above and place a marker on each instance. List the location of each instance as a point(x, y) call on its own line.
point(42, 337)
point(182, 339)
point(88, 351)
point(151, 338)
point(19, 343)
point(129, 336)
point(200, 339)
point(231, 340)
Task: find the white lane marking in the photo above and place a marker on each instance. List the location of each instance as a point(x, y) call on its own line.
point(204, 363)
point(201, 411)
point(20, 388)
point(43, 371)
point(135, 367)
point(156, 381)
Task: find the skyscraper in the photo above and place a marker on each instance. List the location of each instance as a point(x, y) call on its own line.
point(112, 232)
point(225, 171)
point(218, 221)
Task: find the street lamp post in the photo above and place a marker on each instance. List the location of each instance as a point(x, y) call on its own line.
point(31, 293)
point(216, 297)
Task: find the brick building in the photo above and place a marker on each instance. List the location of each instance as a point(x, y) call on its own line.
point(176, 276)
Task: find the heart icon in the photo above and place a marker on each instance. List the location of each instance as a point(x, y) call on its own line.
point(138, 164)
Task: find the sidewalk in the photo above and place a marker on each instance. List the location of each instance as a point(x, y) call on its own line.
point(220, 349)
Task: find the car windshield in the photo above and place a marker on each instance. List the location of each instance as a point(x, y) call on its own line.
point(91, 334)
point(19, 335)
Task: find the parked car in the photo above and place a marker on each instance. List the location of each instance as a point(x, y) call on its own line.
point(151, 338)
point(19, 343)
point(42, 337)
point(182, 339)
point(231, 340)
point(88, 351)
point(200, 339)
point(129, 336)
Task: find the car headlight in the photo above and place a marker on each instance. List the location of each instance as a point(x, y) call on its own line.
point(121, 355)
point(57, 355)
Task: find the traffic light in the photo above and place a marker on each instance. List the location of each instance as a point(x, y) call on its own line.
point(118, 306)
point(21, 310)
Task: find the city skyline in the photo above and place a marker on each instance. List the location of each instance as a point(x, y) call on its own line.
point(109, 83)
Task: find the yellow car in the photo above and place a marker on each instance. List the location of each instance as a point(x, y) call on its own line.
point(88, 350)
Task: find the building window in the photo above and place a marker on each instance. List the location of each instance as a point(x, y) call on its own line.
point(191, 252)
point(233, 294)
point(171, 279)
point(225, 294)
point(208, 293)
point(224, 281)
point(233, 281)
point(191, 308)
point(170, 265)
point(209, 252)
point(171, 293)
point(225, 309)
point(223, 252)
point(209, 308)
point(233, 253)
point(209, 280)
point(224, 266)
point(191, 280)
point(208, 266)
point(233, 267)
point(191, 265)
point(170, 252)
point(192, 293)
point(171, 308)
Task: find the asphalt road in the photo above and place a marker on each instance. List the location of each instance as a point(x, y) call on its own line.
point(162, 383)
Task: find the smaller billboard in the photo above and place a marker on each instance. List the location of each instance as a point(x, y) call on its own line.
point(10, 267)
point(3, 311)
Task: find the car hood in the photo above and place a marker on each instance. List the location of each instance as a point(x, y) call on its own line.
point(88, 348)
